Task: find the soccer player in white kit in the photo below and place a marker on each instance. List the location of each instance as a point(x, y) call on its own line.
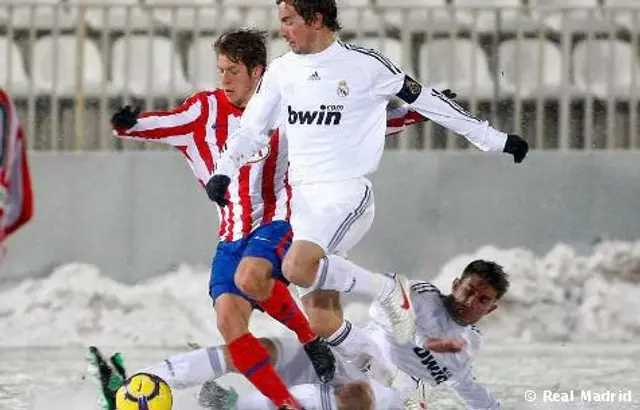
point(334, 96)
point(441, 354)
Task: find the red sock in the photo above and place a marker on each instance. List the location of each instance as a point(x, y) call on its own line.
point(284, 309)
point(252, 360)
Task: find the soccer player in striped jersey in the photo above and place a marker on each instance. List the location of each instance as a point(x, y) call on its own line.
point(254, 230)
point(335, 95)
point(16, 198)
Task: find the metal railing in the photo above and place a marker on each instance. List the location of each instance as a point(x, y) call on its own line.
point(565, 78)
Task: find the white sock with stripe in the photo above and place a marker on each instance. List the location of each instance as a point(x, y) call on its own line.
point(186, 370)
point(342, 275)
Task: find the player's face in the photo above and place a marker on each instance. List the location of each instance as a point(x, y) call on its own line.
point(295, 31)
point(472, 298)
point(236, 80)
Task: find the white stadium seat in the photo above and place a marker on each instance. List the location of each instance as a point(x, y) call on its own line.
point(119, 15)
point(581, 14)
point(151, 64)
point(203, 67)
point(13, 75)
point(277, 47)
point(389, 47)
point(207, 13)
point(529, 61)
point(63, 82)
point(600, 62)
point(254, 13)
point(629, 18)
point(450, 64)
point(45, 15)
point(483, 15)
point(422, 15)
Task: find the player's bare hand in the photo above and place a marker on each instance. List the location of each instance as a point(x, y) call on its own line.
point(217, 189)
point(445, 345)
point(126, 117)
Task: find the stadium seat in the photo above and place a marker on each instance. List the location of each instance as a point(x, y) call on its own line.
point(450, 64)
point(598, 63)
point(277, 47)
point(42, 14)
point(578, 16)
point(483, 15)
point(206, 13)
point(251, 13)
point(63, 48)
point(13, 75)
point(628, 18)
point(534, 65)
point(152, 64)
point(422, 15)
point(357, 16)
point(389, 47)
point(119, 15)
point(203, 69)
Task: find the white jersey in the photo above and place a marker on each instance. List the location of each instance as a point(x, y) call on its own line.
point(434, 321)
point(335, 103)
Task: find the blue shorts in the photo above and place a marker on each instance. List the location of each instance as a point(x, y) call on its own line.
point(270, 242)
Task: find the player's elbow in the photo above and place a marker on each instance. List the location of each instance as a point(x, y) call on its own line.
point(355, 396)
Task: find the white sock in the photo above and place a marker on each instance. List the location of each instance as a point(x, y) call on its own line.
point(310, 396)
point(190, 369)
point(353, 343)
point(342, 275)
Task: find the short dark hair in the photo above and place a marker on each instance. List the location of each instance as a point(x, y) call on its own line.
point(246, 46)
point(308, 9)
point(490, 272)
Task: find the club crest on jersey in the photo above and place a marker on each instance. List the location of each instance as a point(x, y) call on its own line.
point(343, 89)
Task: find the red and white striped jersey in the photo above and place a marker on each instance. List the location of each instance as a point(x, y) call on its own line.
point(199, 129)
point(16, 197)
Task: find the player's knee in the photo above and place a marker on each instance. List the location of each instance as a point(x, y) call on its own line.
point(355, 396)
point(253, 279)
point(301, 263)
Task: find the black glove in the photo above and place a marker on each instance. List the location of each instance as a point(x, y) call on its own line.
point(217, 189)
point(449, 94)
point(517, 147)
point(125, 117)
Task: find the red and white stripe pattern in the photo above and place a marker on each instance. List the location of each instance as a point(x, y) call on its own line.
point(400, 117)
point(16, 197)
point(199, 129)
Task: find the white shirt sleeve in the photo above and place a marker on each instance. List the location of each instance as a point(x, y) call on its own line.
point(474, 394)
point(438, 108)
point(262, 112)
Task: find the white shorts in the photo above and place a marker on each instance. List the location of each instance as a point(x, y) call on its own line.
point(333, 215)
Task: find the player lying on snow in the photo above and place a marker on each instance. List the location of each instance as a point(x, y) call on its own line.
point(441, 354)
point(254, 232)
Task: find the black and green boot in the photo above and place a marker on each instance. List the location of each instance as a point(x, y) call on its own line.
point(110, 376)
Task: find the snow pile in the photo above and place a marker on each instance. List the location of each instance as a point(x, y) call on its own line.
point(560, 296)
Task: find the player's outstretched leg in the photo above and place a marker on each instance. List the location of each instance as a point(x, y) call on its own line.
point(391, 291)
point(110, 376)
